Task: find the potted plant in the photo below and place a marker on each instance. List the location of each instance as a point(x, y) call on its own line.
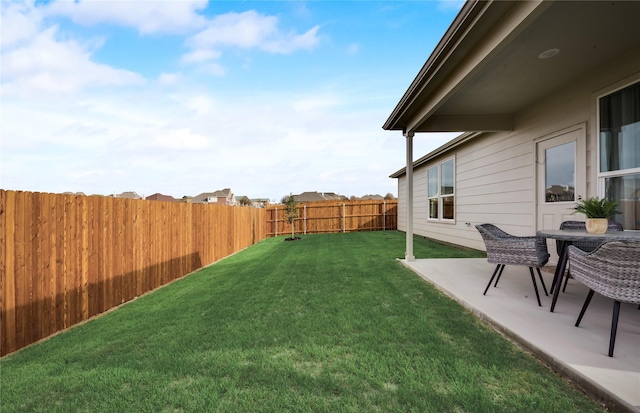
point(598, 212)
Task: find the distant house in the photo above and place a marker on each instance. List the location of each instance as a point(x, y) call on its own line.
point(128, 195)
point(222, 197)
point(160, 197)
point(372, 197)
point(318, 196)
point(330, 196)
point(260, 202)
point(243, 200)
point(546, 95)
point(309, 197)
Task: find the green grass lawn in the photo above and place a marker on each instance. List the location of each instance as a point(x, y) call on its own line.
point(330, 323)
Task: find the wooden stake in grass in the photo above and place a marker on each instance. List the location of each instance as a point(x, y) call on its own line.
point(291, 214)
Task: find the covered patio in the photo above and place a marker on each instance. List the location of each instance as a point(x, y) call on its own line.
point(577, 353)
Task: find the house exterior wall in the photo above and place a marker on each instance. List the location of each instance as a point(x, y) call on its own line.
point(496, 172)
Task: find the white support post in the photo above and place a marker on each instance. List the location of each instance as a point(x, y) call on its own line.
point(408, 255)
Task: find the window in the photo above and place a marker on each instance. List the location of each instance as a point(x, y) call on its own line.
point(560, 171)
point(619, 149)
point(441, 191)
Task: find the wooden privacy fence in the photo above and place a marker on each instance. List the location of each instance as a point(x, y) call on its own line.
point(335, 216)
point(66, 258)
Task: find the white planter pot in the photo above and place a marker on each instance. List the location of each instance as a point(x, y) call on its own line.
point(597, 225)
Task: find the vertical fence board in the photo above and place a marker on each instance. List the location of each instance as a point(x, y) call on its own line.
point(8, 319)
point(95, 233)
point(58, 281)
point(105, 259)
point(69, 274)
point(40, 253)
point(84, 256)
point(154, 247)
point(30, 257)
point(138, 243)
point(44, 257)
point(22, 317)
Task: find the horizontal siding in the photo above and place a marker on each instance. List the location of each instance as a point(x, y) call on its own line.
point(504, 149)
point(512, 180)
point(402, 203)
point(506, 208)
point(493, 188)
point(519, 165)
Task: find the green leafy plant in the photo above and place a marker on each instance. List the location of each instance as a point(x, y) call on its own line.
point(291, 213)
point(597, 207)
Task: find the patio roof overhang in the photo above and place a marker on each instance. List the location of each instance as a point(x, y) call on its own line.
point(487, 67)
point(499, 58)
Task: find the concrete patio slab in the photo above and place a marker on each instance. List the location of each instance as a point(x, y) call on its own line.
point(578, 353)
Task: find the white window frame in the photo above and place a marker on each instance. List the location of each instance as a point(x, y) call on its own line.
point(601, 177)
point(439, 195)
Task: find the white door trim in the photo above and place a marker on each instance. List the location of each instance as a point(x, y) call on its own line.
point(581, 163)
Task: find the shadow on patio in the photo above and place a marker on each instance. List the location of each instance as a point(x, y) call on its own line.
point(578, 353)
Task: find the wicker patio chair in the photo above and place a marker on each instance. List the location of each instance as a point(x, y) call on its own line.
point(612, 270)
point(505, 249)
point(586, 246)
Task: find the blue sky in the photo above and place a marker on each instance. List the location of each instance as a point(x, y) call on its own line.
point(188, 96)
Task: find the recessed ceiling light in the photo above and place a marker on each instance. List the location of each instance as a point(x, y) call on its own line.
point(548, 53)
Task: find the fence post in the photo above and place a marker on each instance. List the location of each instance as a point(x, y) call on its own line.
point(384, 215)
point(344, 219)
point(275, 220)
point(304, 219)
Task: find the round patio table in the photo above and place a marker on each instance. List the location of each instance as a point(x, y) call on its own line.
point(572, 236)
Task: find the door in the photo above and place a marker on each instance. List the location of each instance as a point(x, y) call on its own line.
point(561, 179)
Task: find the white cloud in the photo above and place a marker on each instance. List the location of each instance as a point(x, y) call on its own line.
point(20, 21)
point(290, 42)
point(200, 104)
point(251, 30)
point(200, 55)
point(215, 69)
point(246, 30)
point(169, 79)
point(181, 139)
point(314, 103)
point(146, 16)
point(252, 144)
point(45, 64)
